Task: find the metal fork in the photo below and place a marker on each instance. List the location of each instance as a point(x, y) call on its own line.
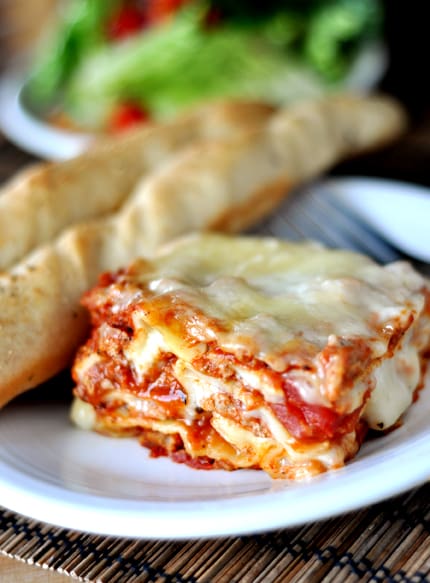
point(319, 216)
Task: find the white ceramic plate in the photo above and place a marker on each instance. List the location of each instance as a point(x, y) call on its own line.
point(53, 472)
point(399, 211)
point(31, 133)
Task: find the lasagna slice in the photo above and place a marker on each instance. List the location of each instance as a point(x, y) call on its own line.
point(241, 352)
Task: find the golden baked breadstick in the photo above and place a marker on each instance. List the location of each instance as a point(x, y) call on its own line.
point(44, 200)
point(230, 184)
point(226, 184)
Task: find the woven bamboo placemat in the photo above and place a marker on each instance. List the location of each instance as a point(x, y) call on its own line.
point(387, 542)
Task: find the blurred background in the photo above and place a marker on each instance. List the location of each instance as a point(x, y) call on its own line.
point(403, 30)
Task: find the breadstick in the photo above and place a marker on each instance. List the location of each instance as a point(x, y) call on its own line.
point(227, 184)
point(45, 199)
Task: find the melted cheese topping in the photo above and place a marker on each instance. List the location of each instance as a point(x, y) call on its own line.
point(266, 293)
point(259, 296)
point(333, 325)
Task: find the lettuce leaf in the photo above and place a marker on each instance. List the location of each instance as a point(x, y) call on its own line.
point(298, 47)
point(77, 35)
point(181, 62)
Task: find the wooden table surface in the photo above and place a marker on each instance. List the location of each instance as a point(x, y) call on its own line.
point(13, 571)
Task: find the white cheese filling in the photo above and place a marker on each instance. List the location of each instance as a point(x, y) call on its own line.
point(395, 382)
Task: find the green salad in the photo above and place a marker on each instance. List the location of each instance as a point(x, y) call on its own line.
point(111, 63)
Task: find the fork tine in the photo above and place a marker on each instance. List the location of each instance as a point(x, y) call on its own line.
point(292, 222)
point(359, 235)
point(281, 226)
point(321, 217)
point(304, 212)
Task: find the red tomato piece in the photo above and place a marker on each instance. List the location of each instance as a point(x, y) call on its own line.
point(309, 422)
point(127, 22)
point(126, 115)
point(159, 10)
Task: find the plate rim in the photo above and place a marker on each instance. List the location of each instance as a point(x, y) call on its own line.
point(31, 133)
point(149, 520)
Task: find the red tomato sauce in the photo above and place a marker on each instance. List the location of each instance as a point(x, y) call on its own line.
point(312, 423)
